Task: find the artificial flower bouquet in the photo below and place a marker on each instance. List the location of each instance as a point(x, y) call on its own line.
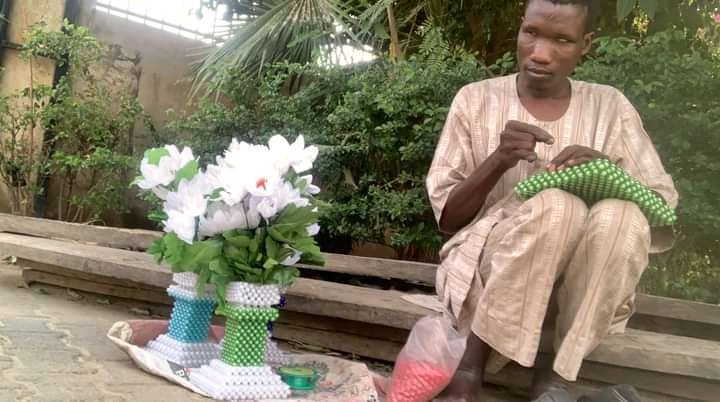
point(233, 233)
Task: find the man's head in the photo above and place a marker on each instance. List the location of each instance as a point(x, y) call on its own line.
point(553, 36)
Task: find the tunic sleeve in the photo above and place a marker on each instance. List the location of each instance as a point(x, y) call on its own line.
point(453, 160)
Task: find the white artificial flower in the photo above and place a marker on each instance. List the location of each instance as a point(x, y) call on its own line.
point(183, 225)
point(309, 187)
point(179, 158)
point(227, 178)
point(253, 215)
point(262, 179)
point(313, 229)
point(292, 259)
point(164, 172)
point(155, 175)
point(222, 218)
point(190, 196)
point(294, 156)
point(160, 191)
point(279, 197)
point(246, 168)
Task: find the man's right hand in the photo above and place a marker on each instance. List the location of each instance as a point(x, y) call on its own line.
point(517, 142)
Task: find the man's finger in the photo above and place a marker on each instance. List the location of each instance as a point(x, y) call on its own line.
point(537, 132)
point(516, 135)
point(575, 161)
point(522, 144)
point(561, 158)
point(525, 154)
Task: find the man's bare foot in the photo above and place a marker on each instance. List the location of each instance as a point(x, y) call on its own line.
point(464, 386)
point(547, 380)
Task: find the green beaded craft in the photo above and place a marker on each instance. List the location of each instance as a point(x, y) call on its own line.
point(245, 334)
point(597, 180)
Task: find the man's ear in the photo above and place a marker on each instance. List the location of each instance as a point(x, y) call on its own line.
point(587, 42)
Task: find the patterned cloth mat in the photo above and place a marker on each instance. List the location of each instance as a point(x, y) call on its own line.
point(340, 380)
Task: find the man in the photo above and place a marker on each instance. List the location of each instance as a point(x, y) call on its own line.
point(507, 256)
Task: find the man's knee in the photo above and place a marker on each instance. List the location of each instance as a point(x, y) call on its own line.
point(561, 204)
point(618, 215)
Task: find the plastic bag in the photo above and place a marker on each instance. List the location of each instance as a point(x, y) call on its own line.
point(427, 362)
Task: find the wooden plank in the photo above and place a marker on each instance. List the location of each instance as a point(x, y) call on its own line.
point(662, 353)
point(684, 311)
point(73, 273)
point(678, 309)
point(348, 343)
point(414, 272)
point(678, 386)
point(636, 349)
point(31, 276)
point(306, 295)
point(133, 239)
point(370, 331)
point(692, 329)
point(136, 239)
point(102, 261)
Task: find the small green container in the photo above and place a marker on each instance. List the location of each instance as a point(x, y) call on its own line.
point(298, 377)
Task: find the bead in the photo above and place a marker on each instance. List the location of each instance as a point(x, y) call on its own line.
point(600, 179)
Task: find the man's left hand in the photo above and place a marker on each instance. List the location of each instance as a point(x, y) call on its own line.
point(574, 155)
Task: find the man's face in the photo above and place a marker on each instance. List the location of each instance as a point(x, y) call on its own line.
point(551, 41)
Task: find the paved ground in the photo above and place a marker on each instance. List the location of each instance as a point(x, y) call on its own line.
point(53, 348)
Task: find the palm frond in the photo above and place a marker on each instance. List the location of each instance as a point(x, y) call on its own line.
point(296, 31)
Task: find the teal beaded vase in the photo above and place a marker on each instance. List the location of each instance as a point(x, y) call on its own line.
point(597, 180)
point(242, 371)
point(186, 342)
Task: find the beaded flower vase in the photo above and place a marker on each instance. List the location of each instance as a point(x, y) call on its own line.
point(242, 371)
point(186, 342)
point(273, 354)
point(600, 179)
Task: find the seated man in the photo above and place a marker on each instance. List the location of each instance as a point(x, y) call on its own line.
point(506, 256)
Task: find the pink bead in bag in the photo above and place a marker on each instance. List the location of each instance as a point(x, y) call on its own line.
point(427, 362)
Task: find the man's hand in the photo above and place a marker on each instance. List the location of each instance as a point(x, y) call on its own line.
point(517, 142)
point(574, 155)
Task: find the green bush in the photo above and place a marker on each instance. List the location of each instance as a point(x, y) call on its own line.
point(377, 126)
point(84, 123)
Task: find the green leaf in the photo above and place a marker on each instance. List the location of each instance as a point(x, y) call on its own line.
point(271, 248)
point(203, 279)
point(233, 253)
point(220, 283)
point(136, 180)
point(239, 241)
point(270, 263)
point(247, 273)
point(220, 267)
point(204, 252)
point(281, 275)
point(254, 246)
point(157, 216)
point(187, 172)
point(650, 7)
point(624, 8)
point(153, 155)
point(157, 250)
point(277, 234)
point(215, 195)
point(174, 250)
point(310, 251)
